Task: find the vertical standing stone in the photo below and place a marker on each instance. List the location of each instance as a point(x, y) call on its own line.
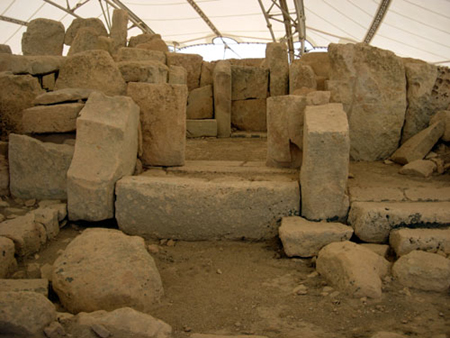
point(193, 65)
point(301, 76)
point(222, 98)
point(277, 61)
point(43, 37)
point(119, 29)
point(324, 173)
point(163, 118)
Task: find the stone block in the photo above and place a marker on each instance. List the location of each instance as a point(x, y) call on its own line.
point(301, 76)
point(156, 43)
point(8, 263)
point(418, 146)
point(419, 168)
point(143, 71)
point(206, 77)
point(49, 218)
point(444, 116)
point(177, 75)
point(119, 29)
point(285, 115)
point(4, 176)
point(38, 169)
point(60, 118)
point(193, 65)
point(153, 206)
point(278, 64)
point(31, 64)
point(373, 221)
point(200, 103)
point(249, 82)
point(105, 150)
point(318, 61)
point(423, 270)
point(201, 128)
point(79, 23)
point(66, 95)
point(249, 115)
point(139, 54)
point(404, 240)
point(142, 39)
point(317, 98)
point(163, 120)
point(88, 39)
point(324, 172)
point(222, 98)
point(93, 69)
point(48, 82)
point(43, 37)
point(25, 285)
point(303, 238)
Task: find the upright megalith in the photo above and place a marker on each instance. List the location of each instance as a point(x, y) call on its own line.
point(324, 173)
point(301, 76)
point(43, 37)
point(193, 65)
point(105, 151)
point(119, 29)
point(222, 98)
point(163, 118)
point(78, 23)
point(278, 64)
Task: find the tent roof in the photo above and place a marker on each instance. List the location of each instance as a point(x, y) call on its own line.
point(410, 28)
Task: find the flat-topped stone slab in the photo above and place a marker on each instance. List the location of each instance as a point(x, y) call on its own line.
point(22, 285)
point(63, 95)
point(403, 241)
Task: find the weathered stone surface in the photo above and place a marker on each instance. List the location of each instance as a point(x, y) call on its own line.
point(8, 263)
point(303, 238)
point(420, 78)
point(444, 116)
point(222, 98)
point(352, 268)
point(49, 218)
point(61, 208)
point(380, 249)
point(43, 37)
point(423, 270)
point(420, 168)
point(93, 69)
point(249, 82)
point(62, 96)
point(153, 206)
point(301, 76)
point(27, 235)
point(192, 63)
point(199, 335)
point(31, 64)
point(371, 84)
point(278, 64)
point(384, 334)
point(201, 128)
point(87, 39)
point(418, 146)
point(25, 285)
point(106, 150)
point(25, 314)
point(143, 71)
point(5, 49)
point(177, 75)
point(139, 54)
point(38, 169)
point(48, 82)
point(323, 179)
point(123, 322)
point(373, 221)
point(250, 62)
point(425, 194)
point(4, 176)
point(163, 119)
point(155, 44)
point(133, 279)
point(17, 94)
point(285, 115)
point(119, 29)
point(319, 62)
point(318, 98)
point(142, 39)
point(206, 77)
point(78, 23)
point(200, 103)
point(403, 241)
point(59, 118)
point(249, 115)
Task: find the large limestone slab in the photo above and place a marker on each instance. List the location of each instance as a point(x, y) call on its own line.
point(373, 221)
point(201, 128)
point(352, 268)
point(153, 207)
point(319, 62)
point(31, 64)
point(444, 116)
point(79, 23)
point(60, 118)
point(206, 77)
point(193, 65)
point(303, 238)
point(119, 29)
point(301, 76)
point(38, 169)
point(63, 96)
point(139, 54)
point(403, 241)
point(177, 75)
point(324, 172)
point(93, 69)
point(249, 115)
point(8, 263)
point(105, 150)
point(143, 71)
point(285, 115)
point(89, 39)
point(200, 103)
point(163, 119)
point(28, 285)
point(278, 64)
point(133, 279)
point(371, 84)
point(43, 37)
point(249, 82)
point(222, 98)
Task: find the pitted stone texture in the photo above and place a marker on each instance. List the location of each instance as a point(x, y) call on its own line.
point(249, 115)
point(193, 65)
point(249, 82)
point(301, 76)
point(119, 29)
point(25, 314)
point(324, 172)
point(143, 71)
point(222, 97)
point(141, 39)
point(418, 146)
point(153, 206)
point(352, 268)
point(62, 96)
point(444, 116)
point(43, 37)
point(423, 270)
point(78, 23)
point(44, 181)
point(403, 241)
point(163, 119)
point(93, 69)
point(139, 54)
point(106, 150)
point(155, 44)
point(8, 263)
point(31, 64)
point(61, 118)
point(177, 75)
point(285, 115)
point(89, 39)
point(419, 168)
point(133, 279)
point(373, 221)
point(371, 84)
point(303, 238)
point(278, 64)
point(200, 103)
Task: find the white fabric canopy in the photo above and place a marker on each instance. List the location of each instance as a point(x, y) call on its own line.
point(410, 28)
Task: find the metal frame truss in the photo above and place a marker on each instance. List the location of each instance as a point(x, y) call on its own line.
point(377, 20)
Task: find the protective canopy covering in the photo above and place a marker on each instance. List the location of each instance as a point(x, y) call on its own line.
point(410, 28)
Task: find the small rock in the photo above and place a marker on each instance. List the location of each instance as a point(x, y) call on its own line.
point(420, 168)
point(388, 162)
point(187, 329)
point(33, 270)
point(313, 274)
point(163, 241)
point(219, 272)
point(327, 289)
point(153, 248)
point(30, 203)
point(54, 330)
point(100, 330)
point(334, 294)
point(170, 243)
point(350, 175)
point(363, 300)
point(300, 290)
